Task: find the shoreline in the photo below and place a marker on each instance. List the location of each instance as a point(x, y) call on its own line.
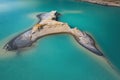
point(102, 2)
point(55, 33)
point(49, 26)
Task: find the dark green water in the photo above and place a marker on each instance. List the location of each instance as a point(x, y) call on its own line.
point(60, 57)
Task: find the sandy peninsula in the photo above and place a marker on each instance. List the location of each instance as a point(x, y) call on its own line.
point(48, 25)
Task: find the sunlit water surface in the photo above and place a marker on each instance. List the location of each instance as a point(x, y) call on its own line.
point(60, 57)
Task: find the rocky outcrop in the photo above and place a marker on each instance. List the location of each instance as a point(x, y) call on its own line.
point(49, 25)
point(104, 2)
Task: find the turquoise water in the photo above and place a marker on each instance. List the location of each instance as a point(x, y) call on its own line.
point(60, 57)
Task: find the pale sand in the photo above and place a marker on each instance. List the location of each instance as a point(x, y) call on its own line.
point(55, 28)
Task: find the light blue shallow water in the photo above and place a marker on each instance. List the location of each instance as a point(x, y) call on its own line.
point(60, 57)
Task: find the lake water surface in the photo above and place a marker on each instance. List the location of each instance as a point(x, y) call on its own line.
point(60, 57)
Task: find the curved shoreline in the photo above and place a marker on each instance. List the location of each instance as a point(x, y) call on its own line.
point(103, 2)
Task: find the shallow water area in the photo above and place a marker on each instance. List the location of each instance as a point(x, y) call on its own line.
point(59, 56)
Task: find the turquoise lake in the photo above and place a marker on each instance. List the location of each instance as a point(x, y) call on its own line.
point(60, 57)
